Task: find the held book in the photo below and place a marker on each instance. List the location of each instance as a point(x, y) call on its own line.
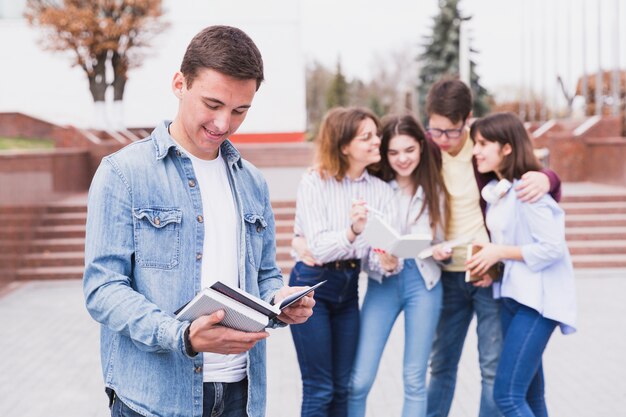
point(379, 234)
point(428, 252)
point(495, 271)
point(243, 311)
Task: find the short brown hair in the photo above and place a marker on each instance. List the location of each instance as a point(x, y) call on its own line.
point(507, 128)
point(225, 49)
point(339, 127)
point(451, 98)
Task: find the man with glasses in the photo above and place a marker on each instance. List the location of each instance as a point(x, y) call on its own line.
point(449, 107)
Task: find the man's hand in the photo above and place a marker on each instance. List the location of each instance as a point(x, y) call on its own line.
point(206, 335)
point(533, 186)
point(300, 311)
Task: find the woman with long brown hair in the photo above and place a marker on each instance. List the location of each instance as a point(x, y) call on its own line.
point(331, 211)
point(409, 165)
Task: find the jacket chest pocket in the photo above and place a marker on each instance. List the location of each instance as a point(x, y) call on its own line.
point(255, 233)
point(157, 237)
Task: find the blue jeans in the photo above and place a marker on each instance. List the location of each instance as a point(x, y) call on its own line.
point(326, 342)
point(460, 301)
point(519, 386)
point(219, 400)
point(382, 305)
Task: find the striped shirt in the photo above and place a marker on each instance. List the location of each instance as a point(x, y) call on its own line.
point(323, 213)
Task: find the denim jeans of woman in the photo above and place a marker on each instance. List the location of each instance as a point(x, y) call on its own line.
point(381, 307)
point(519, 384)
point(326, 342)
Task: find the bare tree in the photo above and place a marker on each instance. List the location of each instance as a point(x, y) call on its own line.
point(99, 34)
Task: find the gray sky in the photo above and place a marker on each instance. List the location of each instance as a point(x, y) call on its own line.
point(502, 31)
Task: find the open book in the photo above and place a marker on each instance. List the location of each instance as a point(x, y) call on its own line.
point(494, 272)
point(380, 235)
point(243, 311)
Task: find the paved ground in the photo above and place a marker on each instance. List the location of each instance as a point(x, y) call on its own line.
point(49, 362)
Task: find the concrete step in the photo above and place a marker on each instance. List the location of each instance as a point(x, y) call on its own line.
point(65, 218)
point(590, 220)
point(67, 208)
point(19, 220)
point(597, 247)
point(66, 272)
point(593, 198)
point(611, 207)
point(283, 253)
point(284, 213)
point(53, 259)
point(284, 204)
point(59, 232)
point(595, 233)
point(599, 261)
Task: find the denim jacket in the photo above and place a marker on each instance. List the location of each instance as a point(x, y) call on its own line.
point(143, 256)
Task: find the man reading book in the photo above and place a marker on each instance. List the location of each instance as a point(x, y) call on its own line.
point(170, 215)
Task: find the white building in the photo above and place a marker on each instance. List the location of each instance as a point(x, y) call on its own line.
point(45, 85)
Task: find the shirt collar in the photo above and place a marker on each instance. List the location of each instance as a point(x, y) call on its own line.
point(419, 193)
point(163, 142)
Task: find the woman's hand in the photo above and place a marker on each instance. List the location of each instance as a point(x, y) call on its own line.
point(387, 261)
point(358, 217)
point(482, 260)
point(442, 252)
point(298, 244)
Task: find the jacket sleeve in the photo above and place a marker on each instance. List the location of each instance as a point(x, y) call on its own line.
point(109, 252)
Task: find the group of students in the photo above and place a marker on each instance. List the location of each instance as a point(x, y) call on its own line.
point(452, 180)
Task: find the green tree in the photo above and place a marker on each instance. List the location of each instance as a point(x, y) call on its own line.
point(337, 93)
point(441, 56)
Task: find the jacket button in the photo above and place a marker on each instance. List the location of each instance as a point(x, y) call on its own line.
point(157, 221)
point(200, 219)
point(198, 369)
point(198, 256)
point(192, 183)
point(259, 229)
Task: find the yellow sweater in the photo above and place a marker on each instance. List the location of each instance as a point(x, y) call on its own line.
point(466, 218)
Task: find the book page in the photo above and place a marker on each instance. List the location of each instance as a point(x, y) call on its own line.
point(237, 316)
point(379, 234)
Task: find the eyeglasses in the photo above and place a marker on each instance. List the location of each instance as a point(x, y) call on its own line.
point(450, 133)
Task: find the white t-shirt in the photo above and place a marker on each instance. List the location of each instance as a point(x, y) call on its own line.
point(219, 253)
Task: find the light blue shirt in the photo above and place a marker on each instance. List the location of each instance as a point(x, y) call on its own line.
point(143, 253)
point(544, 280)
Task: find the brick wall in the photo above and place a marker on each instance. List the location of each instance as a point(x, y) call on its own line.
point(36, 176)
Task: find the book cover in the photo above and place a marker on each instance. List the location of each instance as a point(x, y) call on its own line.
point(495, 271)
point(379, 234)
point(243, 311)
